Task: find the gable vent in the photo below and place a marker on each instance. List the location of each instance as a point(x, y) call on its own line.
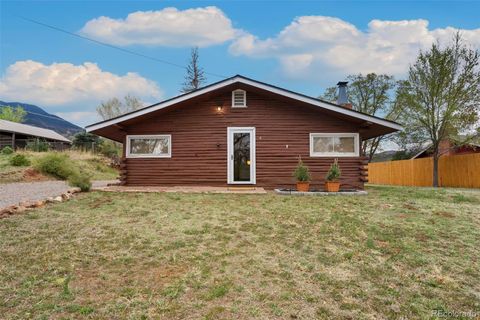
point(239, 99)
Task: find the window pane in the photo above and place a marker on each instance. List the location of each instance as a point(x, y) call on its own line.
point(156, 146)
point(322, 144)
point(344, 144)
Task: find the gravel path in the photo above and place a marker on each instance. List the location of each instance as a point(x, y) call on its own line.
point(14, 193)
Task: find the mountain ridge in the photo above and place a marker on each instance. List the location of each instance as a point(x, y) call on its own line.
point(38, 117)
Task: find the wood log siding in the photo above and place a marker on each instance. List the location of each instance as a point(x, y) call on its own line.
point(199, 144)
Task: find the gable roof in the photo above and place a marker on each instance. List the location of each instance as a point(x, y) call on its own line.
point(261, 85)
point(9, 126)
point(429, 146)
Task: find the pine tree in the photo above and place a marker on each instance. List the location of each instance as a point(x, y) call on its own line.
point(195, 76)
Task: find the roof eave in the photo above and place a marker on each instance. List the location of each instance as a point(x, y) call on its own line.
point(254, 83)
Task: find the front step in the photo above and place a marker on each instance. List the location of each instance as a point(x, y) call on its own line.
point(241, 188)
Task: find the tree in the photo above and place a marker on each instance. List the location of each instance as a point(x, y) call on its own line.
point(14, 114)
point(441, 97)
point(114, 107)
point(374, 95)
point(86, 141)
point(195, 76)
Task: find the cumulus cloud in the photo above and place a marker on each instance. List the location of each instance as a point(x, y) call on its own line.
point(61, 84)
point(314, 46)
point(71, 88)
point(167, 27)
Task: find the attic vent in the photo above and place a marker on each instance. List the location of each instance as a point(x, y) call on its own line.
point(239, 99)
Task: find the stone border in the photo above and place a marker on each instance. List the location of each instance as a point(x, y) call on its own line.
point(23, 206)
point(320, 193)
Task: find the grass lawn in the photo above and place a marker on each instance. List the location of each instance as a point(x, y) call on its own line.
point(95, 166)
point(398, 252)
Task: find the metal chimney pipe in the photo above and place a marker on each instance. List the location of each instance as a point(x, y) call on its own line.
point(342, 93)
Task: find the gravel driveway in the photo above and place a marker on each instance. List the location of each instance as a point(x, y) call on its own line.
point(14, 193)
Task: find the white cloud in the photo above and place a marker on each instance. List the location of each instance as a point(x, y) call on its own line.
point(316, 46)
point(168, 27)
point(75, 89)
point(62, 84)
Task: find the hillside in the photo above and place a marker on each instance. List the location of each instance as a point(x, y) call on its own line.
point(38, 117)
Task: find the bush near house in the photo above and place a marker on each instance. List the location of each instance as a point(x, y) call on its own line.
point(7, 150)
point(61, 166)
point(55, 164)
point(19, 160)
point(80, 180)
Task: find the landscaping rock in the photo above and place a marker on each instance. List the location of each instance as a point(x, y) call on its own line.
point(58, 199)
point(38, 204)
point(20, 209)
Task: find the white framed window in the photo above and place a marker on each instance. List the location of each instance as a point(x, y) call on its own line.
point(239, 99)
point(149, 146)
point(334, 145)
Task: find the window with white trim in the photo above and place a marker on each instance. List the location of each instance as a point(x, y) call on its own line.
point(149, 146)
point(334, 145)
point(239, 99)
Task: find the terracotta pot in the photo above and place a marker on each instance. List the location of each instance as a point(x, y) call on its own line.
point(332, 186)
point(303, 186)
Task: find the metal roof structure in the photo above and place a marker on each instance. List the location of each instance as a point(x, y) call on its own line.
point(25, 129)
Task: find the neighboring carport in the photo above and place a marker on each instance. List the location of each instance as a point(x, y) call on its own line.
point(17, 135)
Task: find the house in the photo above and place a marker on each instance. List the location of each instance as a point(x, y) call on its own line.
point(17, 135)
point(449, 147)
point(240, 131)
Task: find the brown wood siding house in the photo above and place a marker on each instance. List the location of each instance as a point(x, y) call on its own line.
point(241, 132)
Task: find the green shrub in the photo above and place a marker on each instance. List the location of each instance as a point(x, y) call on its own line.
point(110, 149)
point(80, 180)
point(7, 150)
point(19, 160)
point(56, 164)
point(301, 172)
point(37, 145)
point(334, 172)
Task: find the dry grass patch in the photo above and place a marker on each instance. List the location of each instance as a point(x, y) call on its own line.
point(394, 253)
point(96, 166)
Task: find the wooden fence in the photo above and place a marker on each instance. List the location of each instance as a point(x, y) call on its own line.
point(454, 171)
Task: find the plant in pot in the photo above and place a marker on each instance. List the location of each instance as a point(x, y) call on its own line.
point(302, 174)
point(331, 179)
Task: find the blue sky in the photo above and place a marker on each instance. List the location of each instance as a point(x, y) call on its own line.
point(304, 46)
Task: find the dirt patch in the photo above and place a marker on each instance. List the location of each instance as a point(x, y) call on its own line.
point(445, 214)
point(105, 284)
point(410, 207)
point(99, 202)
point(30, 175)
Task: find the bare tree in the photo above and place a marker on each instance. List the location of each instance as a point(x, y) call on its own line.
point(195, 76)
point(114, 107)
point(441, 97)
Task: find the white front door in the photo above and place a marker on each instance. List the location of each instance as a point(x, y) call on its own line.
point(241, 155)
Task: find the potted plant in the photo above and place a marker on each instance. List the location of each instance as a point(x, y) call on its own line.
point(302, 174)
point(331, 179)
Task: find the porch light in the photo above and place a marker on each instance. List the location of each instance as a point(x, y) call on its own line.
point(219, 108)
point(248, 162)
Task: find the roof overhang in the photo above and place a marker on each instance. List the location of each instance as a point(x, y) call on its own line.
point(388, 126)
point(28, 130)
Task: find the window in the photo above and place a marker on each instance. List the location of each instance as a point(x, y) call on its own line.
point(334, 145)
point(149, 146)
point(239, 99)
